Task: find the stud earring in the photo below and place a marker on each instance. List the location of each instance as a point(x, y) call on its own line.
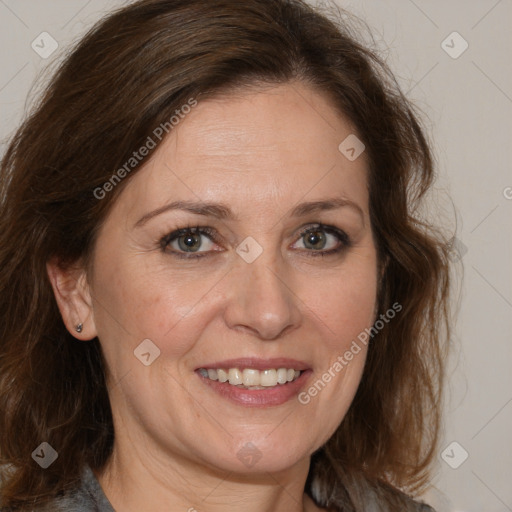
point(79, 328)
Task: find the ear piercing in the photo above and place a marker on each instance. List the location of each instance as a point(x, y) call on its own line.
point(79, 328)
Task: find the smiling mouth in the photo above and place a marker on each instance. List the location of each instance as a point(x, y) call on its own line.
point(250, 378)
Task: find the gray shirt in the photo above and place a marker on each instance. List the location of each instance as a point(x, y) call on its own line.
point(89, 497)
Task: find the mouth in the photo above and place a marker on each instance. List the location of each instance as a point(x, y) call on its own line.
point(256, 382)
point(251, 378)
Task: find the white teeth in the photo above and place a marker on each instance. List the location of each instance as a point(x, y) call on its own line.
point(222, 374)
point(235, 376)
point(268, 378)
point(282, 376)
point(252, 378)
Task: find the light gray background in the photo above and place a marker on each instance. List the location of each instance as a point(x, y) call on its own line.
point(468, 107)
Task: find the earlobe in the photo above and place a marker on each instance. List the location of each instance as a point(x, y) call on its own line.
point(71, 291)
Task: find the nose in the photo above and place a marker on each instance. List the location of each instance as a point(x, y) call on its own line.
point(262, 300)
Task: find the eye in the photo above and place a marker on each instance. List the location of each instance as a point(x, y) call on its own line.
point(186, 242)
point(320, 240)
point(198, 242)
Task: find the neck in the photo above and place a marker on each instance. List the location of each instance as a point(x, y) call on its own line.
point(135, 480)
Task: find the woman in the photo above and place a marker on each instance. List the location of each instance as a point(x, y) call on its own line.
point(216, 291)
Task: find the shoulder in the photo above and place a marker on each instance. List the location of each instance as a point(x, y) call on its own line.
point(408, 506)
point(89, 497)
point(86, 497)
point(401, 501)
point(423, 507)
point(417, 506)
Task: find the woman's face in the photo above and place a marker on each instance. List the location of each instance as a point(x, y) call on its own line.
point(253, 293)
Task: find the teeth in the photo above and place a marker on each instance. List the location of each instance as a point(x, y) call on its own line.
point(223, 375)
point(282, 376)
point(268, 378)
point(235, 376)
point(251, 378)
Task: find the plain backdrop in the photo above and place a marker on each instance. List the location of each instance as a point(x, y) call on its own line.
point(452, 58)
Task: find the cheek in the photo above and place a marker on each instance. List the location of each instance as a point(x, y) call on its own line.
point(344, 308)
point(134, 303)
point(345, 304)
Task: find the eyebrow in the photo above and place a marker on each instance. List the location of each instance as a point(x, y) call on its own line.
point(223, 212)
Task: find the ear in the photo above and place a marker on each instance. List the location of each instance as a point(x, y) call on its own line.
point(72, 293)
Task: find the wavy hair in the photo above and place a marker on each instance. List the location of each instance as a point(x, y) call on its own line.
point(128, 75)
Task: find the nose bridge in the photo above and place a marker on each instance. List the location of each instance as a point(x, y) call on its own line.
point(262, 299)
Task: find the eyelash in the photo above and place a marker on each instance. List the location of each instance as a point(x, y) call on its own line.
point(344, 239)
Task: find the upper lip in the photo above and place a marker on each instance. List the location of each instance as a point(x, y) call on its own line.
point(257, 364)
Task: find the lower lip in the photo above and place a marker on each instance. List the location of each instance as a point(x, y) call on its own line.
point(276, 395)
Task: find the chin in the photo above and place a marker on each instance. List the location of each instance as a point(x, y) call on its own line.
point(260, 456)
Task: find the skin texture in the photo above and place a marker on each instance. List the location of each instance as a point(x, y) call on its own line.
point(260, 152)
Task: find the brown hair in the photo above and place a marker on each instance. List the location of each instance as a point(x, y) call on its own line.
point(128, 75)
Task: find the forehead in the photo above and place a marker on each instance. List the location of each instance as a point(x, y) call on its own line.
point(274, 145)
